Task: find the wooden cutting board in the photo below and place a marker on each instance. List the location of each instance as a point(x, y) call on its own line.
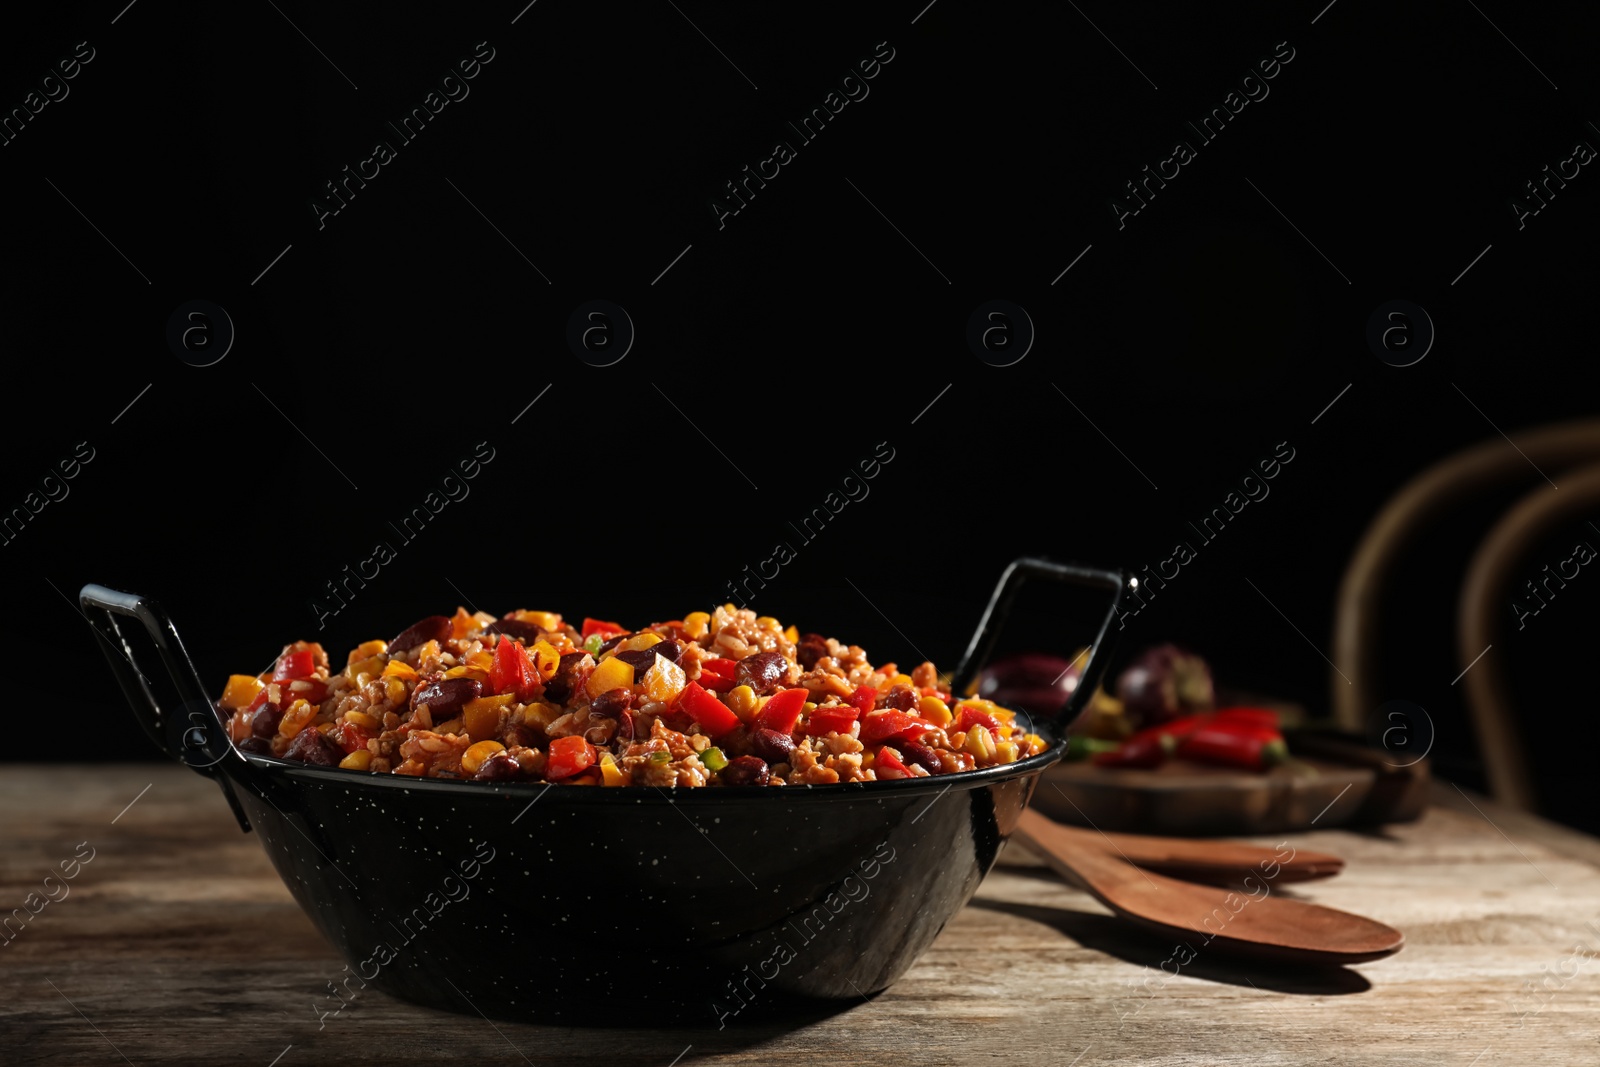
point(1333, 781)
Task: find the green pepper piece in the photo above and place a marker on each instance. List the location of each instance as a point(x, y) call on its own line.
point(1080, 747)
point(592, 645)
point(714, 759)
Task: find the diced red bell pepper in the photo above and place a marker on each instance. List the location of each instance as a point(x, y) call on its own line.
point(888, 765)
point(888, 722)
point(971, 715)
point(511, 671)
point(864, 699)
point(350, 737)
point(601, 626)
point(717, 673)
point(569, 756)
point(1235, 745)
point(715, 717)
point(315, 691)
point(782, 710)
point(295, 665)
point(826, 721)
point(1262, 718)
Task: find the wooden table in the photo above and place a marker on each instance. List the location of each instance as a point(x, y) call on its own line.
point(176, 943)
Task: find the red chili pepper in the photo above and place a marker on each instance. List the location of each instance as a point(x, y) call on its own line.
point(601, 626)
point(782, 710)
point(888, 765)
point(1235, 745)
point(826, 721)
point(568, 756)
point(1181, 727)
point(1146, 749)
point(295, 665)
point(888, 722)
point(970, 716)
point(1264, 718)
point(864, 699)
point(715, 717)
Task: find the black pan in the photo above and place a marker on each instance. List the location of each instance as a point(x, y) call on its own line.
point(579, 906)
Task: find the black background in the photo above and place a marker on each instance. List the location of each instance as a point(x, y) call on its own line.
point(797, 337)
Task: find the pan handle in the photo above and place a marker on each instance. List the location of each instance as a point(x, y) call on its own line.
point(1116, 582)
point(194, 735)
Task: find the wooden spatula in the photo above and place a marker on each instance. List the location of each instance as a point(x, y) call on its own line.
point(1226, 863)
point(1255, 924)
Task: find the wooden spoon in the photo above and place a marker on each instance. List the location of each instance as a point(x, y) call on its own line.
point(1226, 863)
point(1256, 924)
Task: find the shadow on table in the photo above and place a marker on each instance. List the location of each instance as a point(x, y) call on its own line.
point(1115, 937)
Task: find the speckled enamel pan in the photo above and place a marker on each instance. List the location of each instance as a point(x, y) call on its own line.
point(578, 906)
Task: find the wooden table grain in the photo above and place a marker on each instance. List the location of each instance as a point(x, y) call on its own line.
point(175, 943)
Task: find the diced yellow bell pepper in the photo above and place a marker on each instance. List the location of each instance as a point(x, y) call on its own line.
point(893, 680)
point(461, 623)
point(240, 691)
point(429, 650)
point(793, 635)
point(462, 670)
point(370, 667)
point(934, 710)
point(357, 760)
point(544, 620)
point(481, 660)
point(610, 773)
point(695, 624)
point(639, 642)
point(482, 715)
point(611, 674)
point(545, 659)
point(767, 622)
point(403, 671)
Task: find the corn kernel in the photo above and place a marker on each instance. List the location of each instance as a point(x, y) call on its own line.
point(793, 635)
point(1006, 751)
point(610, 674)
point(401, 670)
point(980, 742)
point(240, 691)
point(395, 690)
point(696, 624)
point(545, 659)
point(610, 773)
point(1034, 741)
point(357, 760)
point(476, 754)
point(361, 719)
point(741, 700)
point(370, 667)
point(366, 650)
point(767, 622)
point(934, 710)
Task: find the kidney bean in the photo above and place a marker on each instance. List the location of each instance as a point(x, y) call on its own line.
point(811, 648)
point(311, 746)
point(612, 703)
point(258, 746)
point(920, 755)
point(499, 767)
point(526, 632)
point(433, 628)
point(641, 660)
point(668, 650)
point(264, 723)
point(900, 698)
point(746, 770)
point(524, 736)
point(559, 688)
point(445, 696)
point(625, 727)
point(771, 745)
point(761, 671)
point(612, 642)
